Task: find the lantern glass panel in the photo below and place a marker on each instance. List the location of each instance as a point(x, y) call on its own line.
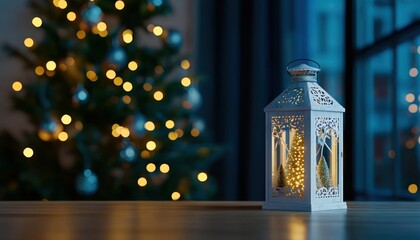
point(287, 155)
point(327, 157)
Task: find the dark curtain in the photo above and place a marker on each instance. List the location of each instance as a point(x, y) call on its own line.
point(238, 56)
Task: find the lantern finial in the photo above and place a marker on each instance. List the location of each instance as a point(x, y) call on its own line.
point(303, 72)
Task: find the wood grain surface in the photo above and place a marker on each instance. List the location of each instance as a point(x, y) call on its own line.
point(204, 220)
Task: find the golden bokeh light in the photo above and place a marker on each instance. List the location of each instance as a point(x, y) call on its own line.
point(149, 126)
point(127, 86)
point(164, 168)
point(119, 129)
point(62, 4)
point(413, 188)
point(63, 136)
point(111, 74)
point(50, 65)
point(170, 124)
point(114, 126)
point(115, 134)
point(175, 196)
point(28, 152)
point(185, 64)
point(202, 176)
point(151, 167)
point(103, 33)
point(55, 2)
point(179, 132)
point(186, 81)
point(39, 70)
point(127, 36)
point(157, 30)
point(119, 5)
point(147, 87)
point(172, 136)
point(142, 182)
point(81, 34)
point(28, 42)
point(118, 81)
point(126, 99)
point(71, 16)
point(91, 75)
point(17, 86)
point(101, 26)
point(195, 132)
point(151, 145)
point(158, 95)
point(125, 132)
point(133, 66)
point(37, 21)
point(66, 119)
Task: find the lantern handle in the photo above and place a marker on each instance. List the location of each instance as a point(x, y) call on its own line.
point(303, 59)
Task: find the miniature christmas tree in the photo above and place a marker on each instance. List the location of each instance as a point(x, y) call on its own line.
point(323, 174)
point(113, 116)
point(295, 165)
point(281, 177)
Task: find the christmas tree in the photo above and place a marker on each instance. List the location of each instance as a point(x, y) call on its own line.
point(114, 118)
point(295, 165)
point(281, 177)
point(323, 174)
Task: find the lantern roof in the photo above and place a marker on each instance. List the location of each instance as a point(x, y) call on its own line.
point(304, 95)
point(303, 70)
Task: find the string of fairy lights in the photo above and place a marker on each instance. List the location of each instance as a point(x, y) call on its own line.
point(118, 130)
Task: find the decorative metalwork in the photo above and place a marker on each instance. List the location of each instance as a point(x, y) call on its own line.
point(332, 192)
point(327, 131)
point(292, 97)
point(320, 96)
point(326, 126)
point(281, 123)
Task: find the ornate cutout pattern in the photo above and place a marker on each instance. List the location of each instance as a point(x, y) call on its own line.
point(281, 123)
point(292, 96)
point(327, 126)
point(326, 174)
point(320, 96)
point(327, 193)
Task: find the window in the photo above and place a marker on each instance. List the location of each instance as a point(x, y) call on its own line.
point(387, 98)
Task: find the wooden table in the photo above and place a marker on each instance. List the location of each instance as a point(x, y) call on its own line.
point(204, 220)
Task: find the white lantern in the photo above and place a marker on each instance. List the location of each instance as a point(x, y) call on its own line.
point(304, 146)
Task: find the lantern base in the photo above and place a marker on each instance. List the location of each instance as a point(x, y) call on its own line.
point(303, 207)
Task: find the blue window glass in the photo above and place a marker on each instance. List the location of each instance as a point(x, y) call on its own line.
point(387, 99)
point(407, 11)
